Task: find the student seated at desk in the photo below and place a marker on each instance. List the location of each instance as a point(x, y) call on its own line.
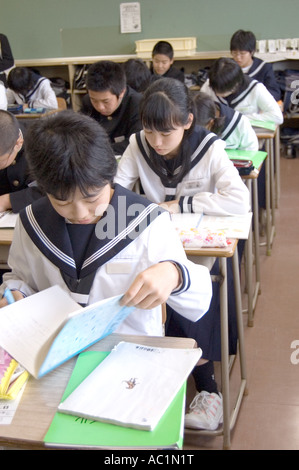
point(229, 85)
point(17, 188)
point(30, 89)
point(112, 103)
point(230, 125)
point(138, 74)
point(162, 62)
point(243, 47)
point(95, 239)
point(185, 167)
point(3, 97)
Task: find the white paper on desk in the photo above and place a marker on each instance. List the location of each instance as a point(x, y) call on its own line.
point(8, 219)
point(234, 226)
point(133, 386)
point(218, 228)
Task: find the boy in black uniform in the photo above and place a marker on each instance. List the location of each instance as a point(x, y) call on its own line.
point(162, 65)
point(112, 103)
point(242, 47)
point(17, 189)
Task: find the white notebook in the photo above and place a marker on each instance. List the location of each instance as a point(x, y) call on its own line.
point(133, 386)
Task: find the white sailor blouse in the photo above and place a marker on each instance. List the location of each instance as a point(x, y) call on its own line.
point(212, 185)
point(132, 235)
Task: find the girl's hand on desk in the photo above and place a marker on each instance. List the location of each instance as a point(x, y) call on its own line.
point(171, 206)
point(17, 296)
point(153, 286)
point(5, 203)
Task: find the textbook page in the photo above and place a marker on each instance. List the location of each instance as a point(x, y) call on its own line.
point(46, 329)
point(133, 386)
point(30, 324)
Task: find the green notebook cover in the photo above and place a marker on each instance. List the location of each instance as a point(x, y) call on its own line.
point(257, 157)
point(270, 125)
point(71, 431)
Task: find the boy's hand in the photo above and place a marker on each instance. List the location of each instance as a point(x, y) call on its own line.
point(17, 296)
point(153, 286)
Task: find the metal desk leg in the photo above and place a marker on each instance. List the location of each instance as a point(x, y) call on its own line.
point(277, 166)
point(224, 354)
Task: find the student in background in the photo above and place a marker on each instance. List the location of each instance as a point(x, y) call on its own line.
point(17, 188)
point(230, 125)
point(6, 58)
point(3, 98)
point(112, 103)
point(96, 240)
point(138, 74)
point(243, 47)
point(162, 62)
point(229, 85)
point(30, 89)
point(185, 168)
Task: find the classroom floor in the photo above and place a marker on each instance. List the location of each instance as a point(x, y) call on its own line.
point(269, 414)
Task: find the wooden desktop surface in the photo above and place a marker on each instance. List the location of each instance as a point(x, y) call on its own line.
point(41, 397)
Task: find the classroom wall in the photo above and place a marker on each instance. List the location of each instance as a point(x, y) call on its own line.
point(67, 28)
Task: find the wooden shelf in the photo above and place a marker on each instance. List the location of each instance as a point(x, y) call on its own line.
point(65, 67)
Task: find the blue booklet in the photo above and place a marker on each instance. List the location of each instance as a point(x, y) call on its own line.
point(46, 329)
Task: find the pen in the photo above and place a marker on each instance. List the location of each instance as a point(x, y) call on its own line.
point(8, 295)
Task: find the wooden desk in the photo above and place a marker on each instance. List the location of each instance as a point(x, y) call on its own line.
point(6, 235)
point(41, 397)
point(230, 251)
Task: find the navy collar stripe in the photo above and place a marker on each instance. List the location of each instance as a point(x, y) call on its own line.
point(132, 225)
point(45, 240)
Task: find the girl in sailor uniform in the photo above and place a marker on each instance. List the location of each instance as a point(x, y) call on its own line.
point(97, 240)
point(30, 89)
point(230, 125)
point(185, 167)
point(229, 85)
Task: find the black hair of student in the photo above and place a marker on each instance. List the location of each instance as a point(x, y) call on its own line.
point(164, 48)
point(138, 74)
point(205, 110)
point(9, 132)
point(226, 75)
point(106, 75)
point(165, 105)
point(20, 80)
point(69, 150)
point(243, 41)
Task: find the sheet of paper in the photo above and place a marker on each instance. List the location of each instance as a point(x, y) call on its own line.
point(8, 219)
point(133, 386)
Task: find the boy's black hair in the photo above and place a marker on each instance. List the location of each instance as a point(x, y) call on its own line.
point(138, 74)
point(20, 80)
point(9, 132)
point(243, 41)
point(226, 75)
point(106, 75)
point(206, 110)
point(69, 150)
point(164, 48)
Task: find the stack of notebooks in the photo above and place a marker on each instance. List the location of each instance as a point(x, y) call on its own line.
point(133, 397)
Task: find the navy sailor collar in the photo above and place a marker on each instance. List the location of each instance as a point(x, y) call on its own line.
point(116, 229)
point(199, 142)
point(236, 98)
point(232, 118)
